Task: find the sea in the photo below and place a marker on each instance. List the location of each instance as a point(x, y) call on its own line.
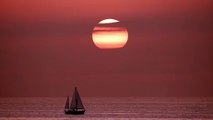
point(108, 108)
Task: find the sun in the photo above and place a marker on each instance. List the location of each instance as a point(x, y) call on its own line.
point(109, 34)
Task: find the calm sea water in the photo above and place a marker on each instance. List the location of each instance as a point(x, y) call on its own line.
point(108, 108)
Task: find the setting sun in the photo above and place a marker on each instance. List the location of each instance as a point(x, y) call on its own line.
point(108, 21)
point(108, 34)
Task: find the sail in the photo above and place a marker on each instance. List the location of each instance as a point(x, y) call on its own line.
point(76, 102)
point(67, 103)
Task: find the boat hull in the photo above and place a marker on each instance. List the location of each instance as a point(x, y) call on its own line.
point(74, 112)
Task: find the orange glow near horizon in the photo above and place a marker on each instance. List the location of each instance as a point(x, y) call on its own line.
point(109, 37)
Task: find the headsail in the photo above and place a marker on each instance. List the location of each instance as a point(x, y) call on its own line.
point(67, 103)
point(76, 102)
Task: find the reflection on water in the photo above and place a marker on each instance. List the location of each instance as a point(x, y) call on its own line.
point(159, 108)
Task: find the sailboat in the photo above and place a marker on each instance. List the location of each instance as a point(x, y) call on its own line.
point(76, 107)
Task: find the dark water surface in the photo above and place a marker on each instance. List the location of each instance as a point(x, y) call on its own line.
point(109, 108)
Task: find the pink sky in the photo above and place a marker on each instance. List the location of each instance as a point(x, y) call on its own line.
point(46, 48)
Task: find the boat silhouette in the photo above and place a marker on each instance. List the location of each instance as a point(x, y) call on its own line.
point(76, 106)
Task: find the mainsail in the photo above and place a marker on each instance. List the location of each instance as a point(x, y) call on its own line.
point(76, 102)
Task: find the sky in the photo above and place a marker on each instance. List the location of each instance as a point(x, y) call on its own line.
point(46, 48)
